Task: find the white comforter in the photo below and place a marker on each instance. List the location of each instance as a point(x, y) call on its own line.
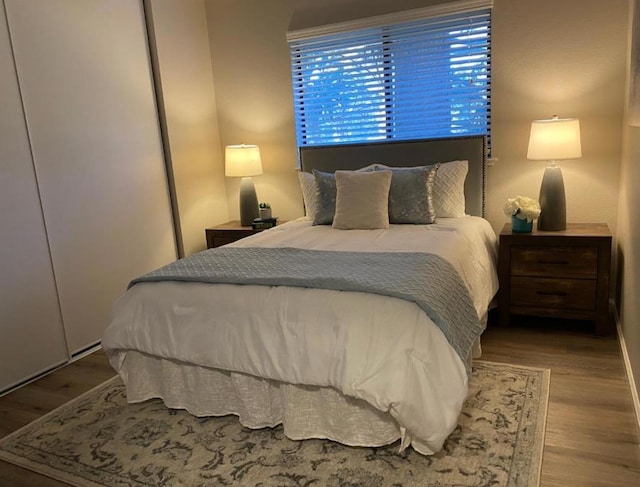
point(383, 350)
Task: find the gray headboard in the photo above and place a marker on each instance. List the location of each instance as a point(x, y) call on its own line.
point(328, 158)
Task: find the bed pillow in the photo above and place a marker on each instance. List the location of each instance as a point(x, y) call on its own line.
point(309, 196)
point(325, 184)
point(448, 187)
point(309, 192)
point(411, 195)
point(362, 200)
point(324, 199)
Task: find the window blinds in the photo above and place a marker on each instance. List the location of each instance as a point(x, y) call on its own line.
point(413, 79)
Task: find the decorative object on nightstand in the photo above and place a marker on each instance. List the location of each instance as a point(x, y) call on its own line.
point(522, 210)
point(265, 211)
point(264, 223)
point(244, 161)
point(559, 274)
point(554, 140)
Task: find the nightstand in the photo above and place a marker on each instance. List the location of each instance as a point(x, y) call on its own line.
point(562, 274)
point(227, 233)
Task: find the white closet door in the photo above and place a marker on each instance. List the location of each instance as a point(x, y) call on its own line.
point(31, 335)
point(83, 68)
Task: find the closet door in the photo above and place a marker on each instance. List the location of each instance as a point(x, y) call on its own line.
point(83, 68)
point(31, 335)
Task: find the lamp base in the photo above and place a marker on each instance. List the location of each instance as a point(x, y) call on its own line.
point(248, 202)
point(553, 207)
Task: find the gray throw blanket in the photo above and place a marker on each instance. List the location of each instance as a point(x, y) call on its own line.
point(425, 279)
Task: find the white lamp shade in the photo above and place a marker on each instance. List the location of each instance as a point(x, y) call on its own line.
point(555, 139)
point(242, 161)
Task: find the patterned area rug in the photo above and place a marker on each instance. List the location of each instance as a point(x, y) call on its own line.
point(100, 440)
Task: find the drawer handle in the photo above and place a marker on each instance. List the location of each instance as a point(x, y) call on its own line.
point(550, 293)
point(554, 262)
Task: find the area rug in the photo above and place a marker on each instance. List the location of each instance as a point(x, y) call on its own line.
point(100, 440)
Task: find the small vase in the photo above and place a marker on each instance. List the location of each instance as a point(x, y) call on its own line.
point(520, 226)
point(265, 213)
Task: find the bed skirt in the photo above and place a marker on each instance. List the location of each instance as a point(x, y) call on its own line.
point(304, 411)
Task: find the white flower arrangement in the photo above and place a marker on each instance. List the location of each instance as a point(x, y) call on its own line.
point(522, 207)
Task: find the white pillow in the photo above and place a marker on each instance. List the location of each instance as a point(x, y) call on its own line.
point(448, 189)
point(362, 200)
point(309, 193)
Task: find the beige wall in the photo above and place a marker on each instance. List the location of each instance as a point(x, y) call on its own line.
point(315, 13)
point(182, 42)
point(250, 61)
point(629, 247)
point(545, 60)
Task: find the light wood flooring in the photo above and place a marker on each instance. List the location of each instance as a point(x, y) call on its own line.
point(592, 437)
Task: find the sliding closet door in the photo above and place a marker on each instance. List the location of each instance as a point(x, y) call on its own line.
point(83, 68)
point(31, 335)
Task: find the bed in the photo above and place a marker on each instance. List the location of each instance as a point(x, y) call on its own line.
point(304, 337)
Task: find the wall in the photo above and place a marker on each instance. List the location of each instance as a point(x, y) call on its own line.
point(629, 245)
point(546, 60)
point(189, 106)
point(312, 14)
point(250, 60)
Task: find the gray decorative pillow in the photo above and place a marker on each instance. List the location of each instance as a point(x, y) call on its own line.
point(411, 195)
point(448, 187)
point(362, 201)
point(325, 197)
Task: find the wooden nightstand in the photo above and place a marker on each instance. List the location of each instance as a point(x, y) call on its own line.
point(227, 233)
point(563, 274)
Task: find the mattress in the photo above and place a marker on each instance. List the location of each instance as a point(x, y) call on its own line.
point(277, 345)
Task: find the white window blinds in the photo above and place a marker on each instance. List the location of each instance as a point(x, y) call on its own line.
point(413, 79)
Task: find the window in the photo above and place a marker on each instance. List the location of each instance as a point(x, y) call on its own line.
point(406, 80)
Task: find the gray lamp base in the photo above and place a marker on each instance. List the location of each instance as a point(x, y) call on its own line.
point(553, 207)
point(248, 202)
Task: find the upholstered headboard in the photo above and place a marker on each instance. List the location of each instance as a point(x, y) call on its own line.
point(413, 153)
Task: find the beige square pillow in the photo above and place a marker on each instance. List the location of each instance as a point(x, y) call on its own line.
point(362, 200)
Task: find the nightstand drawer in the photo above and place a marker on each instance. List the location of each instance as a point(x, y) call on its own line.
point(220, 241)
point(577, 294)
point(228, 233)
point(570, 262)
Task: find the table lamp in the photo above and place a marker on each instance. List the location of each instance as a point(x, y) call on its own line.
point(554, 140)
point(243, 161)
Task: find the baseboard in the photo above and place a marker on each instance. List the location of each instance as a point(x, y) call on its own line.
point(627, 362)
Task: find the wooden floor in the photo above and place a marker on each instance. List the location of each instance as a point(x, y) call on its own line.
point(592, 437)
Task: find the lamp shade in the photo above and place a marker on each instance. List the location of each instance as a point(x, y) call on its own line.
point(242, 161)
point(555, 139)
